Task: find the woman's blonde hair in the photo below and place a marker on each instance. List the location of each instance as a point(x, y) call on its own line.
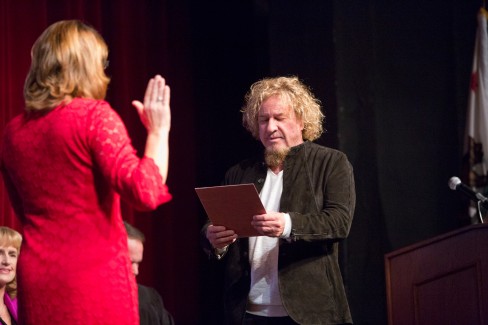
point(68, 61)
point(302, 101)
point(10, 237)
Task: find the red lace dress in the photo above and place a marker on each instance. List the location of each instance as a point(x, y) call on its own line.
point(65, 172)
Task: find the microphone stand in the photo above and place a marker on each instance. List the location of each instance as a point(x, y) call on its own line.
point(478, 203)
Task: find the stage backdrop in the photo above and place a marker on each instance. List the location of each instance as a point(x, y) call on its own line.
point(393, 77)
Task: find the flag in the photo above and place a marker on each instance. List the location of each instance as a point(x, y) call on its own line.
point(475, 161)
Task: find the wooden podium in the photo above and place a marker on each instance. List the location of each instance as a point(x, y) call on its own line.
point(443, 280)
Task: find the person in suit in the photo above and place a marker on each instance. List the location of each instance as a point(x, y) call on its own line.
point(290, 273)
point(151, 306)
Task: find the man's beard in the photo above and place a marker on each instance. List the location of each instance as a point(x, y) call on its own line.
point(275, 157)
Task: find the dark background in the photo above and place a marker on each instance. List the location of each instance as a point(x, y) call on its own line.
point(393, 77)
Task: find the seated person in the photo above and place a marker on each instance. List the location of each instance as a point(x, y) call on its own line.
point(10, 241)
point(151, 307)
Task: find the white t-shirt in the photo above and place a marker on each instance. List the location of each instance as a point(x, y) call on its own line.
point(264, 297)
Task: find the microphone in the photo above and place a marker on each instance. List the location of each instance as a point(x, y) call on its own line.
point(456, 185)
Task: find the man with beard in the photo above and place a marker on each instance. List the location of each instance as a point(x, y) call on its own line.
point(290, 274)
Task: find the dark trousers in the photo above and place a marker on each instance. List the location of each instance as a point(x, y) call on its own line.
point(250, 319)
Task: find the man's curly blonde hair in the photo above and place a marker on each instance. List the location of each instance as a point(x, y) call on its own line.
point(307, 108)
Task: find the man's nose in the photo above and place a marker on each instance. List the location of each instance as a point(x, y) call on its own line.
point(271, 125)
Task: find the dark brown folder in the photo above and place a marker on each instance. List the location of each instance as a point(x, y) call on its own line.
point(232, 206)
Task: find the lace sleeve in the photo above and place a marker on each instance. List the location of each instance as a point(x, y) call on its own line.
point(136, 179)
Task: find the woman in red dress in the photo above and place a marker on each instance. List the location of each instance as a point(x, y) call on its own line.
point(66, 162)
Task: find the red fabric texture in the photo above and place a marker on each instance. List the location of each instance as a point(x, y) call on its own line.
point(65, 172)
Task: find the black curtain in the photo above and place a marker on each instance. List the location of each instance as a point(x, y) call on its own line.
point(393, 77)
